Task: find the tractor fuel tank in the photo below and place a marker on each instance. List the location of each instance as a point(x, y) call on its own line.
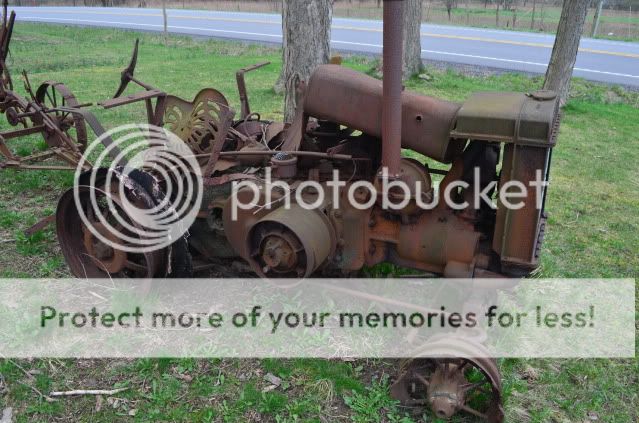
point(352, 99)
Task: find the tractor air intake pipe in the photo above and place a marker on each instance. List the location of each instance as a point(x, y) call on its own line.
point(392, 69)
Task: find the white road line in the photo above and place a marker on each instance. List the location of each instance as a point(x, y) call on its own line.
point(526, 63)
point(606, 73)
point(357, 44)
point(523, 62)
point(446, 53)
point(131, 24)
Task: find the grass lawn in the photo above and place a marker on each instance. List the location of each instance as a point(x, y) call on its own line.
point(593, 231)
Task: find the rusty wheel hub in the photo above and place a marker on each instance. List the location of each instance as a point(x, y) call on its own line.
point(450, 386)
point(278, 253)
point(445, 393)
point(13, 117)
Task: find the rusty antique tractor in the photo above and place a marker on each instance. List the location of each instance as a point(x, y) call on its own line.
point(346, 122)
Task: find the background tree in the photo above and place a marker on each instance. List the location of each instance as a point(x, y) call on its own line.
point(595, 20)
point(449, 7)
point(412, 62)
point(532, 19)
point(564, 52)
point(164, 20)
point(306, 28)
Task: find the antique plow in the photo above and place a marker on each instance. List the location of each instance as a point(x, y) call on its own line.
point(64, 133)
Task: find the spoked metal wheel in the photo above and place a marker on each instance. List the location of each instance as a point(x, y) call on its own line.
point(452, 385)
point(89, 252)
point(52, 95)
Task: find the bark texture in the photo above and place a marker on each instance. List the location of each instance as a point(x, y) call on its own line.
point(412, 62)
point(564, 52)
point(306, 27)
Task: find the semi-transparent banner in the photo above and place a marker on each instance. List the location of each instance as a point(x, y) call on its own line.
point(318, 318)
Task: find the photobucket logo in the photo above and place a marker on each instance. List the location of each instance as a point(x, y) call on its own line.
point(390, 194)
point(149, 195)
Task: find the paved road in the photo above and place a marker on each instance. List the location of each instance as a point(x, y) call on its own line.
point(599, 60)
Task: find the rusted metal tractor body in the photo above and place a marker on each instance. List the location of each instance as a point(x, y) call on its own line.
point(454, 243)
point(339, 127)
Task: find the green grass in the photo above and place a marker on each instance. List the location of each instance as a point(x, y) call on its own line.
point(374, 405)
point(593, 231)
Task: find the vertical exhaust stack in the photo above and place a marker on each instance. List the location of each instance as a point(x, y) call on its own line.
point(392, 69)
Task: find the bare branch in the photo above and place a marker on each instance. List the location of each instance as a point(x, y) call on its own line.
point(86, 392)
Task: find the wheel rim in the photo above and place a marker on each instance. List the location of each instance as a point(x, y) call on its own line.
point(452, 385)
point(86, 255)
point(51, 95)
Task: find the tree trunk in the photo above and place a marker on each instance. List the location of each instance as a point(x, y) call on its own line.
point(595, 20)
point(564, 52)
point(497, 13)
point(166, 28)
point(428, 3)
point(306, 28)
point(412, 62)
point(532, 19)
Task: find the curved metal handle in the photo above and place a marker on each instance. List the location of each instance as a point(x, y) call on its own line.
point(127, 74)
